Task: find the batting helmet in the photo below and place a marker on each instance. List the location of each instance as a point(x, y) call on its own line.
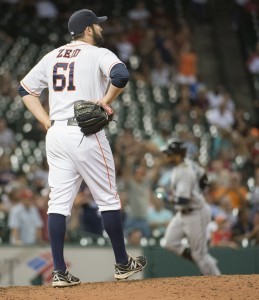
point(175, 146)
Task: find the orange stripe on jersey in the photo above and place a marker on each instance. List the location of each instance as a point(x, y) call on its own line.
point(28, 90)
point(108, 173)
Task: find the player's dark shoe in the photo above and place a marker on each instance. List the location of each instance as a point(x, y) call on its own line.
point(187, 254)
point(133, 266)
point(63, 279)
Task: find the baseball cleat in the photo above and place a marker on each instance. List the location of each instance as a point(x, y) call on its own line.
point(133, 266)
point(63, 279)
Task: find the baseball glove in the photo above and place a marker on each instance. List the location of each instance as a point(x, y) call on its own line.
point(92, 117)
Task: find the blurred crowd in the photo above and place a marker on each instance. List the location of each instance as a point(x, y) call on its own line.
point(245, 17)
point(156, 43)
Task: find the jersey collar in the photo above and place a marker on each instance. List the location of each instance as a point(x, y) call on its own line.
point(77, 43)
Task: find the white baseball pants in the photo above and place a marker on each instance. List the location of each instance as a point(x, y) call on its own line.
point(72, 160)
point(193, 226)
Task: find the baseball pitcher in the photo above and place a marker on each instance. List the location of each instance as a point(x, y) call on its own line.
point(83, 80)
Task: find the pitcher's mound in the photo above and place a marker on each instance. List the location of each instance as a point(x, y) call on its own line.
point(187, 288)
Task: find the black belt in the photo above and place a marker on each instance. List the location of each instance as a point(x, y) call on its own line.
point(186, 211)
point(70, 122)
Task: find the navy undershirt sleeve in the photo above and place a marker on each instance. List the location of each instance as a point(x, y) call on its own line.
point(22, 92)
point(119, 75)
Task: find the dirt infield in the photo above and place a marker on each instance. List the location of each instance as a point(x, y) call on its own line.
point(187, 288)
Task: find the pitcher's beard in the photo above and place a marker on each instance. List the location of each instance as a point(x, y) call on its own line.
point(98, 39)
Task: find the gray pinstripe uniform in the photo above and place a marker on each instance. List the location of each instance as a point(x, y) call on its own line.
point(192, 218)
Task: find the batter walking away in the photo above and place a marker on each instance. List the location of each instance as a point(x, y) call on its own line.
point(80, 70)
point(192, 213)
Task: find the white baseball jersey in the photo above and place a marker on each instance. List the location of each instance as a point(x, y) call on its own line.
point(185, 183)
point(76, 71)
point(71, 72)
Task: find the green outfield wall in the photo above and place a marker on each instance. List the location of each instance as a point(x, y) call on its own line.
point(162, 263)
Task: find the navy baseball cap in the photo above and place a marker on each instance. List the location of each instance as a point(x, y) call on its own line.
point(82, 18)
